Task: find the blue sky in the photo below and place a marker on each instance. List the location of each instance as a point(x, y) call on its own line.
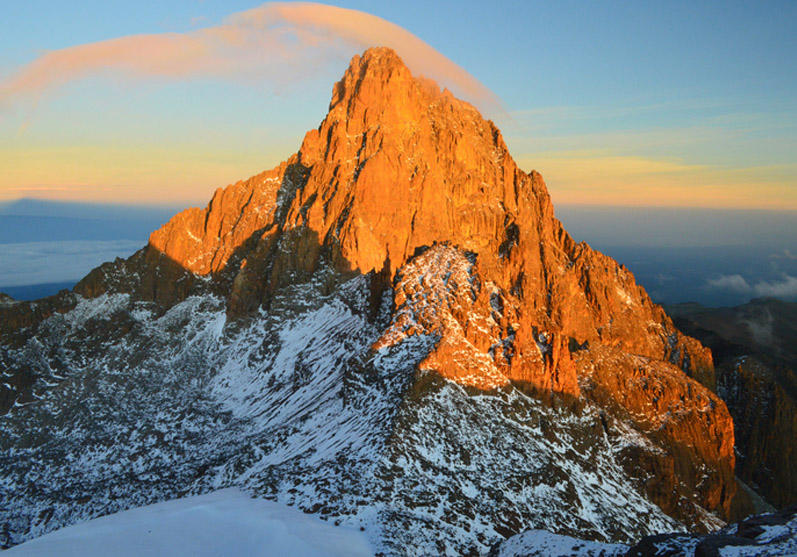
point(574, 53)
point(638, 103)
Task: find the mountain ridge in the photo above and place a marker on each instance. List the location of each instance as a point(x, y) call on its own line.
point(362, 230)
point(402, 239)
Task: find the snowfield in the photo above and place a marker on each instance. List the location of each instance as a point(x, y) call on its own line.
point(225, 522)
point(539, 543)
point(134, 406)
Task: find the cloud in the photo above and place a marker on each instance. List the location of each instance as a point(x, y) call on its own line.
point(278, 42)
point(786, 288)
point(785, 254)
point(42, 262)
point(736, 283)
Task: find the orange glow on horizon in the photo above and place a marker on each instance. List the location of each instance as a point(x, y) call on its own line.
point(577, 178)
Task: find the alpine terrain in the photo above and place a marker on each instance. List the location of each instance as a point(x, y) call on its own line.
point(391, 331)
point(755, 346)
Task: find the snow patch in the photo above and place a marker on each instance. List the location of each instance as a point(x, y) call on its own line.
point(225, 522)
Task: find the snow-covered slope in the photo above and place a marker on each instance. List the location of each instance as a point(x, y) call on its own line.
point(767, 535)
point(540, 543)
point(296, 405)
point(225, 522)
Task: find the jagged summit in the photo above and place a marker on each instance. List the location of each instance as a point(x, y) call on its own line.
point(395, 167)
point(343, 307)
point(380, 79)
point(398, 166)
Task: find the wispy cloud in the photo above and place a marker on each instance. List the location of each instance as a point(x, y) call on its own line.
point(786, 288)
point(785, 254)
point(276, 42)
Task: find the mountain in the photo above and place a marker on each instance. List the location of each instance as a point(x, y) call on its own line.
point(755, 345)
point(390, 330)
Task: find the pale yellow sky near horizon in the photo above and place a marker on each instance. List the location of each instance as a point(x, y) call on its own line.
point(188, 174)
point(605, 179)
point(679, 153)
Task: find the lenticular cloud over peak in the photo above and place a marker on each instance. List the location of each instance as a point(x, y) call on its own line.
point(275, 43)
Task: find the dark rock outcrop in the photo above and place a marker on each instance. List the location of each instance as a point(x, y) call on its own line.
point(772, 535)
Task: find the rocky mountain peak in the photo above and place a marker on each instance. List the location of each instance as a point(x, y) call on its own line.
point(413, 189)
point(398, 166)
point(376, 79)
point(378, 84)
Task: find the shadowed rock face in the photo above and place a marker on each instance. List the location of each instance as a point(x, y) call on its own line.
point(755, 347)
point(411, 188)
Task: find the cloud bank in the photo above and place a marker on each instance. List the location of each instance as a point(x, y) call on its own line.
point(60, 261)
point(278, 42)
point(786, 288)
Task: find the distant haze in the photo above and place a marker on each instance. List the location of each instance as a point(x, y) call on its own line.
point(47, 245)
point(679, 227)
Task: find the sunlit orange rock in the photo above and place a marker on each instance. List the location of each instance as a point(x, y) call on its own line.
point(399, 165)
point(689, 420)
point(405, 180)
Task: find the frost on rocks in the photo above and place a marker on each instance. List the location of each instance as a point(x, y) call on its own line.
point(539, 543)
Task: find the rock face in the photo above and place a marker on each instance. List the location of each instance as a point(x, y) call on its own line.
point(765, 417)
point(473, 318)
point(755, 349)
point(395, 167)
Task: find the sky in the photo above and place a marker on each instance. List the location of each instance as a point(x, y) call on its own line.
point(676, 104)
